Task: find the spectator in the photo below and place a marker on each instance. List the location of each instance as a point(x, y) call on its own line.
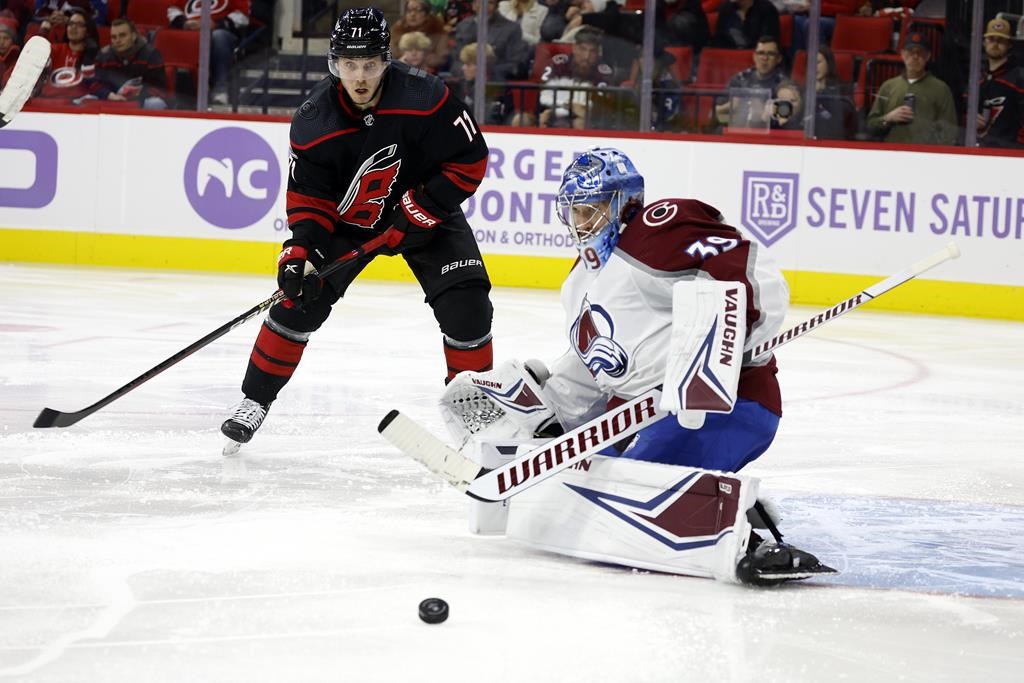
point(581, 67)
point(1001, 121)
point(455, 11)
point(529, 14)
point(230, 20)
point(759, 81)
point(71, 59)
point(498, 99)
point(130, 69)
point(50, 9)
point(741, 22)
point(785, 111)
point(685, 22)
point(914, 107)
point(799, 9)
point(9, 51)
point(413, 49)
point(418, 17)
point(554, 23)
point(622, 33)
point(835, 117)
point(511, 52)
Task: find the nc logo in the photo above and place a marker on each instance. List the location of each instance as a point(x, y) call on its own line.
point(28, 159)
point(232, 178)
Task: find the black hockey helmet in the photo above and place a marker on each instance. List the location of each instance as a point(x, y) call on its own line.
point(360, 32)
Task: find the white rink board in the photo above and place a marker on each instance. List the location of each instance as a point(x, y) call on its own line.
point(829, 210)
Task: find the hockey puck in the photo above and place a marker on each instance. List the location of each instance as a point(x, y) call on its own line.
point(433, 610)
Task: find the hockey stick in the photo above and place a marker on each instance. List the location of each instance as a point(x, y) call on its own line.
point(55, 418)
point(603, 431)
point(27, 69)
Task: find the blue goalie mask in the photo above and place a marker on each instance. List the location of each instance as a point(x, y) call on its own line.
point(600, 192)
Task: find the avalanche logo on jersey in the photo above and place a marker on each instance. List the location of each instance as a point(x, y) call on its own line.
point(591, 336)
point(370, 187)
point(696, 512)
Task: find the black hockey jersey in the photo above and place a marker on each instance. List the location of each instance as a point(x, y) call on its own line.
point(1002, 104)
point(349, 167)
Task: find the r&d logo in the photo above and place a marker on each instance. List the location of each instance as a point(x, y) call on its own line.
point(28, 169)
point(232, 177)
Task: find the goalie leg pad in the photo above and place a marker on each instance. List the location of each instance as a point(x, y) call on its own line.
point(726, 442)
point(645, 515)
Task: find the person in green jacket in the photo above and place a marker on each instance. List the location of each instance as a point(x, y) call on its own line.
point(915, 107)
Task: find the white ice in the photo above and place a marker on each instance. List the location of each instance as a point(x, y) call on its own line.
point(130, 550)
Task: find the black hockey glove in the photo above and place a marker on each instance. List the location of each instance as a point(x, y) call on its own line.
point(297, 264)
point(417, 218)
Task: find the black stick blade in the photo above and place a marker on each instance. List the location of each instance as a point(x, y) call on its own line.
point(49, 417)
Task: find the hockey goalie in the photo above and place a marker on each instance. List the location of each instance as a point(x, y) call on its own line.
point(663, 295)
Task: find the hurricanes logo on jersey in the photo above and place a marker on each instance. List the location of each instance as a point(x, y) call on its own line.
point(591, 336)
point(370, 187)
point(194, 8)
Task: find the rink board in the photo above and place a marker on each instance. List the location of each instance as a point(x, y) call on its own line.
point(208, 194)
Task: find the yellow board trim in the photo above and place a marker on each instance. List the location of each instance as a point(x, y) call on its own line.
point(226, 256)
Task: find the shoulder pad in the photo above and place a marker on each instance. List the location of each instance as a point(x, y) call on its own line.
point(411, 89)
point(317, 116)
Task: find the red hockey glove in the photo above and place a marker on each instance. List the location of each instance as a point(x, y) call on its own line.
point(296, 270)
point(416, 217)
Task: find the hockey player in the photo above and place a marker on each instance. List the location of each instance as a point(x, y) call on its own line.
point(377, 144)
point(630, 311)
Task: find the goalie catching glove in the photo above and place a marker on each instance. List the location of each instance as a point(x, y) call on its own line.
point(297, 265)
point(505, 403)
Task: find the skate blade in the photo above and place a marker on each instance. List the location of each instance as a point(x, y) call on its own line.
point(794, 574)
point(230, 448)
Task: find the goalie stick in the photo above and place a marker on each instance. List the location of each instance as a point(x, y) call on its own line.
point(605, 430)
point(27, 69)
point(55, 418)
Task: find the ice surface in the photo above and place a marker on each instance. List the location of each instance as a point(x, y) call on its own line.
point(130, 550)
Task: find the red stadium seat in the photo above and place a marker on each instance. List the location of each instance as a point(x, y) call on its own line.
point(878, 70)
point(717, 66)
point(683, 66)
point(114, 10)
point(148, 15)
point(712, 21)
point(866, 34)
point(846, 63)
point(180, 50)
point(104, 33)
point(785, 31)
point(710, 5)
point(832, 8)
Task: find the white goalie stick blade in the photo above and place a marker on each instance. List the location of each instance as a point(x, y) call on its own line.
point(531, 468)
point(27, 69)
point(422, 446)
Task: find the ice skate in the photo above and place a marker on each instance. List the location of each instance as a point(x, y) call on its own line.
point(246, 418)
point(768, 562)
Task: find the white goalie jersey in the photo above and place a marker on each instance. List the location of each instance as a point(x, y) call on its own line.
point(619, 318)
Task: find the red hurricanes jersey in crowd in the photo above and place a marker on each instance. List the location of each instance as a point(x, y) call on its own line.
point(235, 10)
point(349, 168)
point(68, 77)
point(619, 318)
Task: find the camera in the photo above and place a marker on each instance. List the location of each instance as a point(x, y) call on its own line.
point(782, 109)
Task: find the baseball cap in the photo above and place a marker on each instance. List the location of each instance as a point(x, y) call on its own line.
point(999, 28)
point(917, 40)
